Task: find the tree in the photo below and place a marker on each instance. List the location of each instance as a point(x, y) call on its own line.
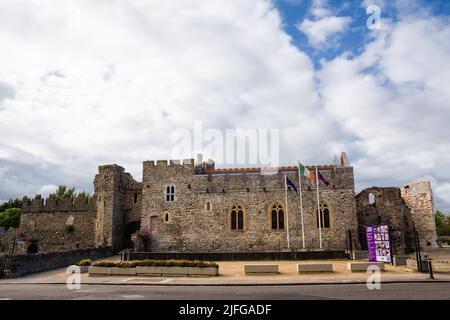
point(11, 203)
point(10, 218)
point(442, 224)
point(63, 191)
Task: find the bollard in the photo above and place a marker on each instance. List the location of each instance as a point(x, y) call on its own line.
point(430, 268)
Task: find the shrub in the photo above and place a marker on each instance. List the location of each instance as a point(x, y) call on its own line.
point(70, 228)
point(84, 262)
point(126, 264)
point(155, 263)
point(104, 264)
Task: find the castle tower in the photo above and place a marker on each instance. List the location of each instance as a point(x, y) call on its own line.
point(109, 196)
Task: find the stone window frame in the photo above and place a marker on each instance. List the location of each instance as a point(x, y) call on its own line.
point(210, 206)
point(280, 206)
point(324, 205)
point(170, 193)
point(166, 217)
point(240, 206)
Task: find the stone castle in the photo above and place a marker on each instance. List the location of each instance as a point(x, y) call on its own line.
point(195, 207)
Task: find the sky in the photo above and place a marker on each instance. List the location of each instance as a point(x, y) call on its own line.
point(84, 83)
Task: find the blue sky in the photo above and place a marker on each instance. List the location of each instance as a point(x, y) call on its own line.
point(85, 83)
point(355, 37)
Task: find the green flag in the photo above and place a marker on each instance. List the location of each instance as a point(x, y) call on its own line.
point(301, 169)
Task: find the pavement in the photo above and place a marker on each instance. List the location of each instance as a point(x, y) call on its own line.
point(232, 274)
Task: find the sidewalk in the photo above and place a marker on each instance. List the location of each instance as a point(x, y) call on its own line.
point(232, 274)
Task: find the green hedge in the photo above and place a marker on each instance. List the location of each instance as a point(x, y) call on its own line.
point(84, 262)
point(155, 263)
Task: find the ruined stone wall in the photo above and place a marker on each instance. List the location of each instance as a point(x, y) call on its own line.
point(419, 197)
point(389, 208)
point(20, 265)
point(118, 203)
point(192, 227)
point(44, 223)
point(7, 240)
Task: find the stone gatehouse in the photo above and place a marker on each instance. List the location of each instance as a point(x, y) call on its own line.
point(195, 207)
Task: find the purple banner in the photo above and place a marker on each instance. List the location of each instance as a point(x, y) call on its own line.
point(378, 243)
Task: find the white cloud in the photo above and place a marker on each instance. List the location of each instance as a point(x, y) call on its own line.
point(93, 83)
point(108, 83)
point(394, 99)
point(320, 32)
point(323, 27)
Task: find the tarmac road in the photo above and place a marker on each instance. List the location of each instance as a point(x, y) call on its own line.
point(391, 291)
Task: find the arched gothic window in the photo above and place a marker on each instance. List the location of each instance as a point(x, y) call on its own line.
point(325, 215)
point(277, 216)
point(237, 213)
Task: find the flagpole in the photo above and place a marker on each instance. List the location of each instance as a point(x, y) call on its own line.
point(319, 214)
point(287, 212)
point(301, 205)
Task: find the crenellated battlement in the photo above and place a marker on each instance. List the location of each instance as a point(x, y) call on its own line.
point(259, 178)
point(167, 163)
point(79, 203)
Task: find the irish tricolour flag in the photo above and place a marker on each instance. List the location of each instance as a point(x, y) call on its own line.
point(305, 172)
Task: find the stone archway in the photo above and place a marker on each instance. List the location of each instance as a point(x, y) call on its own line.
point(128, 231)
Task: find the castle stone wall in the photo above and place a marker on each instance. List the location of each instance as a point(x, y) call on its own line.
point(191, 227)
point(44, 222)
point(19, 265)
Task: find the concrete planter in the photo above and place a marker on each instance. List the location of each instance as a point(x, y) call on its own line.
point(314, 267)
point(363, 266)
point(148, 271)
point(209, 271)
point(261, 269)
point(78, 269)
point(83, 269)
point(154, 271)
point(99, 271)
point(123, 271)
point(174, 271)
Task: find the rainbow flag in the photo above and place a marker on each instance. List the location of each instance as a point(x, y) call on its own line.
point(305, 172)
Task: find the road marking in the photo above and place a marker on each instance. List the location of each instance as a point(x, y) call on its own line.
point(132, 296)
point(5, 298)
point(166, 281)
